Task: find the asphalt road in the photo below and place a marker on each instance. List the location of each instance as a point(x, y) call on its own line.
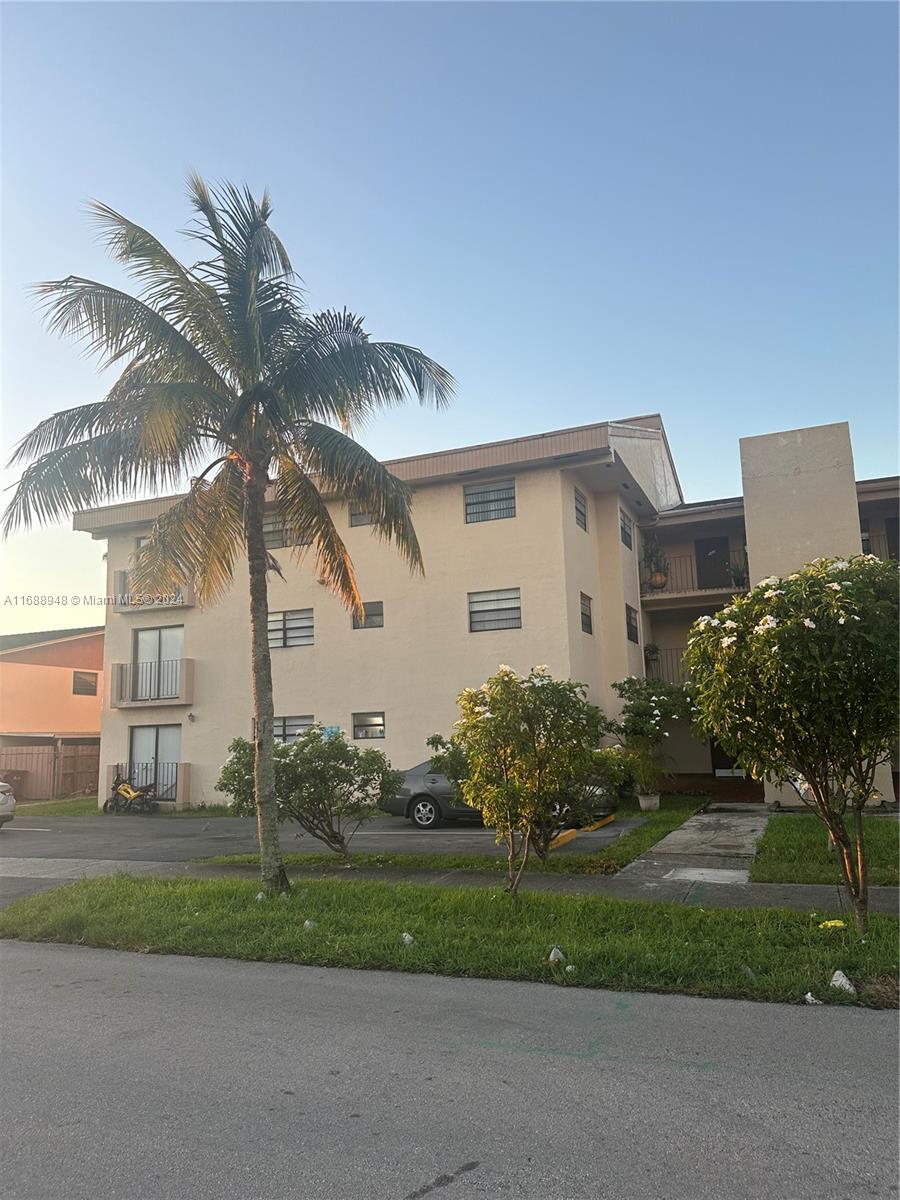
point(124, 1076)
point(179, 839)
point(57, 845)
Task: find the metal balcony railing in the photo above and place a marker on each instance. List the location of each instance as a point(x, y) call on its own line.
point(877, 544)
point(161, 776)
point(166, 681)
point(667, 665)
point(126, 599)
point(683, 575)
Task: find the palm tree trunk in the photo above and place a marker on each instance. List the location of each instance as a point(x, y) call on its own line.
point(274, 877)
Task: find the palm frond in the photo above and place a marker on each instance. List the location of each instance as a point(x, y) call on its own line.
point(116, 325)
point(170, 288)
point(344, 468)
point(95, 470)
point(196, 542)
point(307, 522)
point(333, 371)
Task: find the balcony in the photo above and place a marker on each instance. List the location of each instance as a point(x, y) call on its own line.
point(667, 665)
point(690, 577)
point(152, 684)
point(127, 600)
point(880, 545)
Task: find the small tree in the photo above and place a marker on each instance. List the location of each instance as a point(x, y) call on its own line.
point(646, 705)
point(325, 784)
point(798, 680)
point(522, 754)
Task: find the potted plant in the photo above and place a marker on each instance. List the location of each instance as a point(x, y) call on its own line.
point(646, 777)
point(656, 564)
point(651, 653)
point(740, 576)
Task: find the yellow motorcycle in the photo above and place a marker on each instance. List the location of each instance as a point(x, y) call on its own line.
point(128, 799)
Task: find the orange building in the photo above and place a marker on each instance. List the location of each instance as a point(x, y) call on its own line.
point(51, 696)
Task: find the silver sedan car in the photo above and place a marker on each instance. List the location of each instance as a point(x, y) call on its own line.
point(428, 799)
point(7, 804)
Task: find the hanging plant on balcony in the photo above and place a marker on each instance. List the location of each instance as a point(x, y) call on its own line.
point(656, 565)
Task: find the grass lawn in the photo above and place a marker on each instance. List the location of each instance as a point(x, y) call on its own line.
point(794, 849)
point(77, 806)
point(759, 954)
point(673, 811)
point(86, 806)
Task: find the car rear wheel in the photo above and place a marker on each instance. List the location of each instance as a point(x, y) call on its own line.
point(425, 813)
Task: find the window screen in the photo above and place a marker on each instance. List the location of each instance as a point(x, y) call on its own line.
point(495, 610)
point(374, 616)
point(490, 501)
point(292, 628)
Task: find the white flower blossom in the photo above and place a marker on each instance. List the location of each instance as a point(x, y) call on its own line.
point(768, 622)
point(842, 620)
point(853, 617)
point(770, 582)
point(773, 592)
point(839, 564)
point(835, 587)
point(726, 641)
point(730, 625)
point(808, 623)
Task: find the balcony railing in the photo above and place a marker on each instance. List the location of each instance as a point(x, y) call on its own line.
point(126, 599)
point(667, 665)
point(161, 776)
point(877, 544)
point(683, 576)
point(170, 681)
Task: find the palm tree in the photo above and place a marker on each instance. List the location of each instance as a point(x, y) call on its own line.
point(229, 380)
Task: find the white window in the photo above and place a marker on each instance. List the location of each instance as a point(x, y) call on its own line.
point(288, 729)
point(360, 516)
point(495, 610)
point(587, 617)
point(368, 725)
point(490, 501)
point(626, 532)
point(580, 510)
point(294, 627)
point(373, 618)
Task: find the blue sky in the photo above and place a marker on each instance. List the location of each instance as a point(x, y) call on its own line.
point(585, 211)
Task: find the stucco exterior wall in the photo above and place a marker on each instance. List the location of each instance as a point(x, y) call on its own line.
point(35, 698)
point(800, 499)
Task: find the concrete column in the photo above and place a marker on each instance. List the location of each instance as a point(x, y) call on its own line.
point(800, 503)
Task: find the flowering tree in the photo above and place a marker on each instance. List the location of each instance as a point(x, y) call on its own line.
point(325, 784)
point(522, 753)
point(798, 680)
point(646, 705)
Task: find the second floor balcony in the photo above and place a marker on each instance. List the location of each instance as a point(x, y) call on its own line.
point(666, 663)
point(146, 684)
point(687, 576)
point(126, 599)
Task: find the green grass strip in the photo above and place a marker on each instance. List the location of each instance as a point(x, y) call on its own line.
point(794, 849)
point(758, 954)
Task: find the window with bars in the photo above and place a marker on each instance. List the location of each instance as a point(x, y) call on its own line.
point(288, 729)
point(631, 624)
point(490, 501)
point(368, 725)
point(84, 683)
point(293, 628)
point(275, 533)
point(626, 529)
point(580, 510)
point(587, 619)
point(360, 516)
point(495, 610)
point(374, 616)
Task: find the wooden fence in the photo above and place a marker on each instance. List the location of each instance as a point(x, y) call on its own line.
point(49, 772)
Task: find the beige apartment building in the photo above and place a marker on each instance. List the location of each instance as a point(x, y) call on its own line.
point(533, 552)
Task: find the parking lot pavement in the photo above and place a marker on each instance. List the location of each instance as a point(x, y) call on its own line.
point(180, 839)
